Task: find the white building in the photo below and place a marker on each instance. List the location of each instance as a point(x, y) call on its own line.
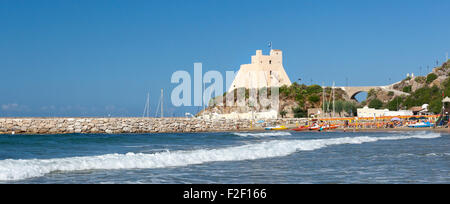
point(264, 71)
point(272, 114)
point(372, 112)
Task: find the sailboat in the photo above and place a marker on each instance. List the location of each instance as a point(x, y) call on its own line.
point(160, 104)
point(147, 107)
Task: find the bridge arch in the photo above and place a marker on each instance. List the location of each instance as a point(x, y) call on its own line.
point(353, 97)
point(352, 91)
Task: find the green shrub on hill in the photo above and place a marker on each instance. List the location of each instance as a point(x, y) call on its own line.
point(350, 107)
point(371, 93)
point(376, 103)
point(390, 93)
point(313, 89)
point(284, 91)
point(420, 79)
point(299, 112)
point(395, 103)
point(407, 89)
point(314, 98)
point(435, 105)
point(425, 95)
point(283, 113)
point(431, 77)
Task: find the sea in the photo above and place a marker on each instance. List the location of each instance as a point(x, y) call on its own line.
point(227, 157)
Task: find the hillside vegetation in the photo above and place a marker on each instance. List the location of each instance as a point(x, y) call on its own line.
point(430, 89)
point(295, 100)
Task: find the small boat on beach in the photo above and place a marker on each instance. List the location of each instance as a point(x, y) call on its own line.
point(329, 127)
point(324, 127)
point(301, 128)
point(278, 127)
point(314, 127)
point(420, 125)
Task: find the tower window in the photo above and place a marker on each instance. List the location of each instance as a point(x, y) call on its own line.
point(270, 61)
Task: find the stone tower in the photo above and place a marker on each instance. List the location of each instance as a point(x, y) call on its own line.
point(264, 71)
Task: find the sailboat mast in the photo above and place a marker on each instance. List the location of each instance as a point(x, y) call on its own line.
point(323, 100)
point(333, 100)
point(162, 103)
point(145, 109)
point(203, 99)
point(147, 106)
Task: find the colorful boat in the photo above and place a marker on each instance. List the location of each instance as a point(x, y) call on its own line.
point(330, 127)
point(323, 127)
point(278, 127)
point(301, 128)
point(315, 127)
point(420, 125)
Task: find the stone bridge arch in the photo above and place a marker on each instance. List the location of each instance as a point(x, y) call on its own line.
point(352, 91)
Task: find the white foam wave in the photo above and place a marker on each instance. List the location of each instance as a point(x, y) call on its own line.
point(437, 154)
point(21, 169)
point(261, 134)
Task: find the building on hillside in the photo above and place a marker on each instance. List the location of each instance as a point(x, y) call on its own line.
point(446, 105)
point(420, 110)
point(272, 114)
point(264, 71)
point(315, 112)
point(372, 112)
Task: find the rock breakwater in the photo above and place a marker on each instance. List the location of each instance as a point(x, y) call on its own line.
point(130, 125)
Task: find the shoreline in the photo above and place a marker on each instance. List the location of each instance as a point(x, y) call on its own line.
point(256, 130)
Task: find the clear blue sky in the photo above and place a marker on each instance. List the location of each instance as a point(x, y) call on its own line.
point(93, 58)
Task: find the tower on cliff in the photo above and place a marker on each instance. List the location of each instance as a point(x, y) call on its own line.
point(264, 71)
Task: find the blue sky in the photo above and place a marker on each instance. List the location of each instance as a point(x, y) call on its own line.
point(94, 58)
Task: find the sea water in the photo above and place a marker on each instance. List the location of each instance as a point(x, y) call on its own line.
point(243, 157)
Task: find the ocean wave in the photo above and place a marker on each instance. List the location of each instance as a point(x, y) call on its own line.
point(437, 154)
point(22, 169)
point(261, 134)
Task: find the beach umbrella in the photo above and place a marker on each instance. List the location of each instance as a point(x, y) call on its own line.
point(395, 119)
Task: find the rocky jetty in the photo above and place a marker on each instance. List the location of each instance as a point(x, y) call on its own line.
point(130, 125)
